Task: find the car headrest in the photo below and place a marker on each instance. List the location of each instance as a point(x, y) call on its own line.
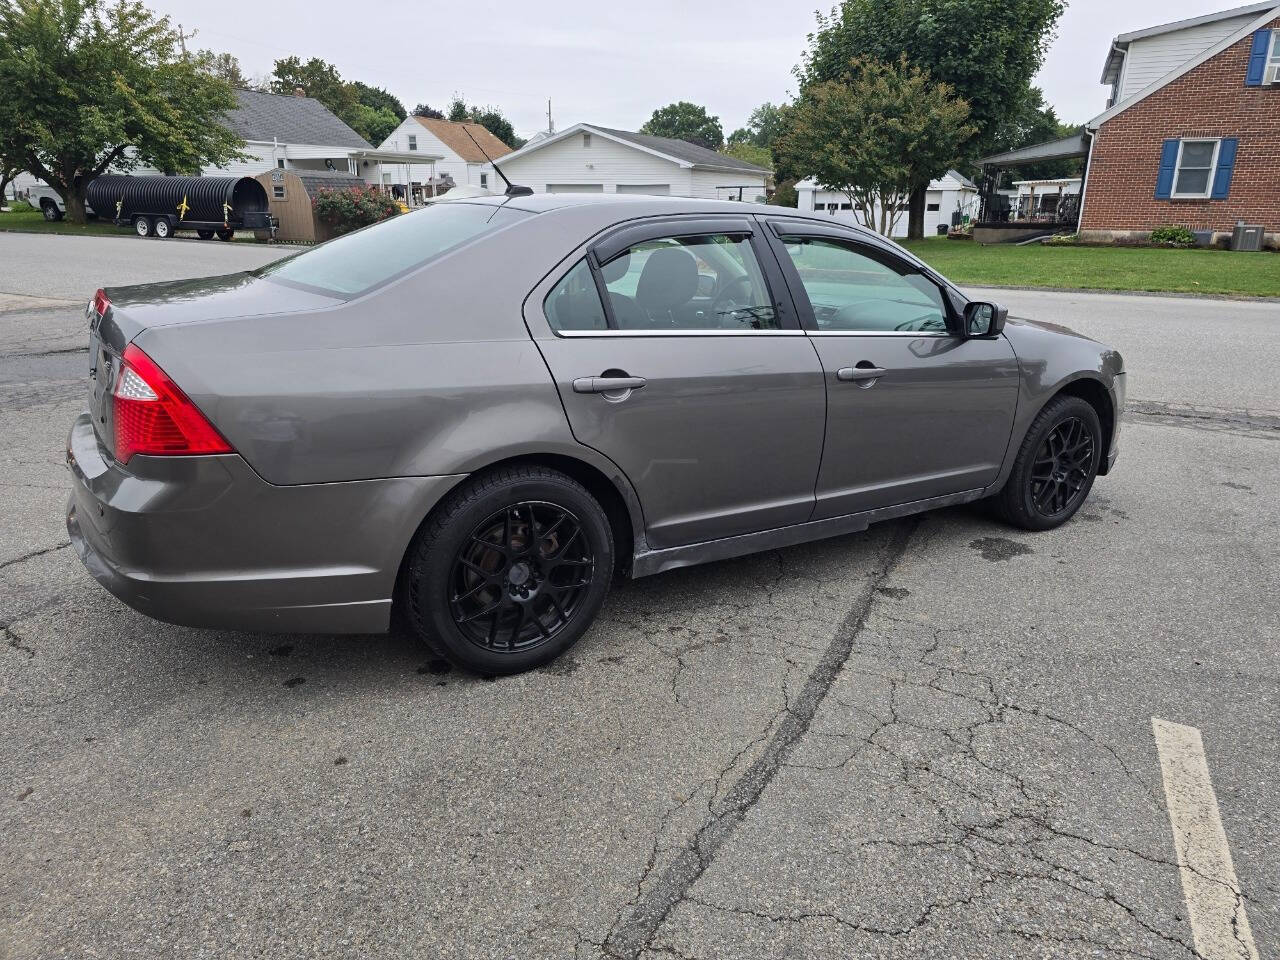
point(617, 268)
point(669, 279)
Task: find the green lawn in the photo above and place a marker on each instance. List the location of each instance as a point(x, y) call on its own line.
point(30, 220)
point(1103, 268)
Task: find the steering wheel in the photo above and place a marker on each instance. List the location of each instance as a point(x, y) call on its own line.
point(923, 323)
point(727, 299)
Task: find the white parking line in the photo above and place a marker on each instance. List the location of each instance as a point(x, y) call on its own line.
point(1214, 904)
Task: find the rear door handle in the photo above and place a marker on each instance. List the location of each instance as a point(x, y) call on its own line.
point(855, 374)
point(607, 384)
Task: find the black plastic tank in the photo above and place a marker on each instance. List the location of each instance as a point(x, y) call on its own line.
point(236, 201)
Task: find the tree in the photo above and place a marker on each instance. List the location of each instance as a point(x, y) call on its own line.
point(989, 57)
point(458, 111)
point(763, 126)
point(760, 156)
point(491, 118)
point(8, 173)
point(317, 79)
point(686, 121)
point(428, 111)
point(875, 134)
point(1037, 122)
point(377, 98)
point(224, 66)
point(94, 84)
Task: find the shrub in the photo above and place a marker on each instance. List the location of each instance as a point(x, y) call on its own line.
point(1063, 240)
point(345, 210)
point(1172, 237)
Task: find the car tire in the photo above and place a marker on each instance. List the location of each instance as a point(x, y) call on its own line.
point(50, 211)
point(162, 228)
point(485, 595)
point(226, 234)
point(142, 226)
point(1055, 466)
point(204, 234)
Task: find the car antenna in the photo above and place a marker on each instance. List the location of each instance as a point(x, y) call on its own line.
point(513, 190)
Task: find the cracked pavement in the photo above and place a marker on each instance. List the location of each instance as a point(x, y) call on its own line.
point(930, 739)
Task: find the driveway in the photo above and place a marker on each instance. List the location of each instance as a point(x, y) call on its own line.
point(932, 739)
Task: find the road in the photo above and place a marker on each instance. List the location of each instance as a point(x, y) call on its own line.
point(933, 739)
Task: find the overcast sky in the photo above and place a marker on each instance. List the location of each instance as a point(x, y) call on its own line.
point(596, 63)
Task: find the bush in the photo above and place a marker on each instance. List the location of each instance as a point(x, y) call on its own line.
point(345, 210)
point(1063, 240)
point(1172, 237)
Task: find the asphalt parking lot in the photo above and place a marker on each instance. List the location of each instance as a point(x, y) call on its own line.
point(933, 739)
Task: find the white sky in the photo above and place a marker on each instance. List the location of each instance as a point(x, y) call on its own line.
point(607, 63)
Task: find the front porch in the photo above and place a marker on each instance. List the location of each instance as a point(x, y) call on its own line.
point(1043, 208)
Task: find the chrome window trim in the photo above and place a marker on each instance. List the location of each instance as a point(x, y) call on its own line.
point(883, 333)
point(575, 334)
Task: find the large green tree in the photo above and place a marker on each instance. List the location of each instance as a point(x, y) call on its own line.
point(686, 121)
point(1037, 122)
point(225, 66)
point(988, 55)
point(371, 112)
point(91, 85)
point(489, 117)
point(764, 125)
point(874, 134)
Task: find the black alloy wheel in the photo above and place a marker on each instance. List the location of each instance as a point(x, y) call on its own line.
point(1055, 467)
point(509, 570)
point(1062, 471)
point(520, 577)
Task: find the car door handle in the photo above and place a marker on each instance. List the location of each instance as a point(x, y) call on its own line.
point(607, 384)
point(856, 374)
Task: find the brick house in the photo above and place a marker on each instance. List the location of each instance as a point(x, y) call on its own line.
point(1191, 133)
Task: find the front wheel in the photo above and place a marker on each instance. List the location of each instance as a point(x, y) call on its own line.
point(1055, 467)
point(142, 226)
point(510, 570)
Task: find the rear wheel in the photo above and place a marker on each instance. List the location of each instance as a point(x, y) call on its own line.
point(142, 226)
point(163, 230)
point(1055, 467)
point(510, 571)
point(204, 234)
point(50, 210)
point(226, 234)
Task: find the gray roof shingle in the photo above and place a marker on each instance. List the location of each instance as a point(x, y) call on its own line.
point(263, 116)
point(683, 150)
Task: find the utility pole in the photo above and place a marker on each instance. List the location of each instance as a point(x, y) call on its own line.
point(183, 38)
point(551, 124)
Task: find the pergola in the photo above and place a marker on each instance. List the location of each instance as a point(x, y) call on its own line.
point(1064, 149)
point(408, 158)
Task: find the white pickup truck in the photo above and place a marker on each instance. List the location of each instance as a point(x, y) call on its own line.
point(49, 202)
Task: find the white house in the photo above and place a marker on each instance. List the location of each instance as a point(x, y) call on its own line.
point(460, 156)
point(950, 194)
point(586, 158)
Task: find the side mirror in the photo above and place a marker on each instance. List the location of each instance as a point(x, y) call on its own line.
point(982, 319)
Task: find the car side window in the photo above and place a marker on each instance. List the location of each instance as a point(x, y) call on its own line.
point(574, 303)
point(690, 283)
point(849, 290)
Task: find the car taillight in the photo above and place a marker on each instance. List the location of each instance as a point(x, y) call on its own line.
point(101, 304)
point(154, 417)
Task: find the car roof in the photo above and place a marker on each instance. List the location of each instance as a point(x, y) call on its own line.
point(628, 206)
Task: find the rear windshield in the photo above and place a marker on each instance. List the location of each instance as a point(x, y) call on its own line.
point(349, 265)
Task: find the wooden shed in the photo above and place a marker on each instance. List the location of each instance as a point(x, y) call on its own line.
point(289, 194)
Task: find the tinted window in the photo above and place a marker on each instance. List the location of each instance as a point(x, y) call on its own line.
point(851, 291)
point(689, 283)
point(359, 261)
point(574, 304)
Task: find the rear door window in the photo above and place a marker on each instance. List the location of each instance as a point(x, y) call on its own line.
point(357, 262)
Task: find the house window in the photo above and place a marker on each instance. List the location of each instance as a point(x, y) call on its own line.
point(1194, 172)
point(413, 142)
point(933, 207)
point(484, 180)
point(1272, 74)
point(586, 140)
point(277, 191)
point(280, 163)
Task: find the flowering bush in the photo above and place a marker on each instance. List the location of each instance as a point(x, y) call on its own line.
point(342, 211)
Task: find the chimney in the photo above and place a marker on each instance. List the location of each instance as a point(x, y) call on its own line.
point(299, 92)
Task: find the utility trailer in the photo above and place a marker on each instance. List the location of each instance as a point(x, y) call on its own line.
point(160, 206)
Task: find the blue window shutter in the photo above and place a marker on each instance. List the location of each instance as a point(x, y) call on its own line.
point(1258, 58)
point(1226, 164)
point(1168, 160)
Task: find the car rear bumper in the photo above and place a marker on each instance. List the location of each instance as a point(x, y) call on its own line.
point(206, 542)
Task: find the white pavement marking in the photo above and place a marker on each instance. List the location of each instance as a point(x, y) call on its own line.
point(1214, 903)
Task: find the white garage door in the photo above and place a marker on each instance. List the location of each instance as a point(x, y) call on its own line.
point(648, 189)
point(575, 188)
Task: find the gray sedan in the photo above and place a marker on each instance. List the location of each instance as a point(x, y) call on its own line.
point(481, 413)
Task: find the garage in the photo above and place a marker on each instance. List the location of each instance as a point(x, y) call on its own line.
point(646, 189)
